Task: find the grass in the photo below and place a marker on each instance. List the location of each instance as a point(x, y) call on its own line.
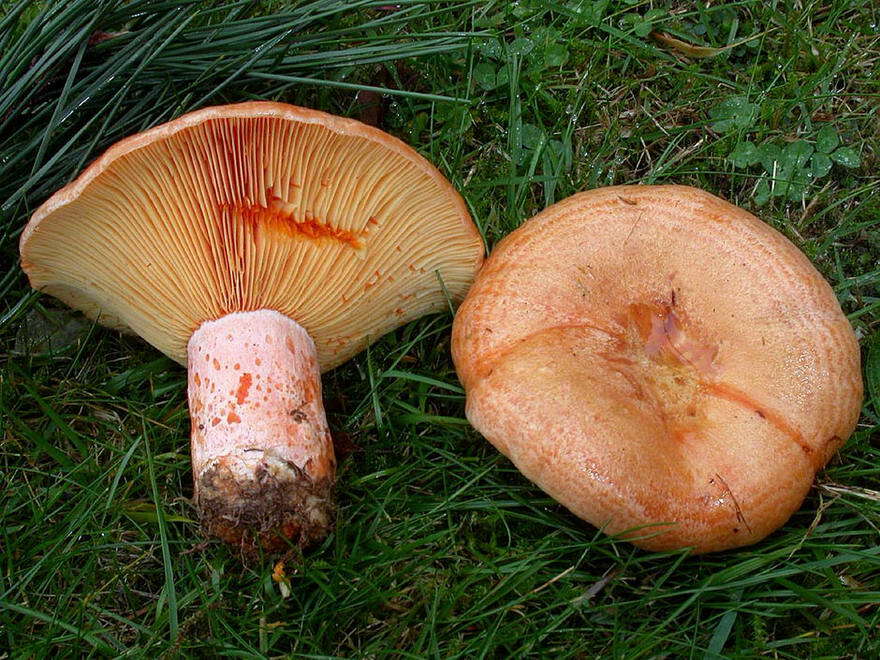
point(442, 548)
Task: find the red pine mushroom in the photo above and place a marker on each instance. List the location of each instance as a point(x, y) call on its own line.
point(258, 244)
point(662, 363)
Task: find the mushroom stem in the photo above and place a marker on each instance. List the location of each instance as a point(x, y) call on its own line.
point(262, 457)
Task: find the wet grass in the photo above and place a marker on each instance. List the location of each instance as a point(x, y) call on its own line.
point(442, 548)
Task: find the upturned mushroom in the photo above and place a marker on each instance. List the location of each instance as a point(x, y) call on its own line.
point(258, 244)
point(662, 363)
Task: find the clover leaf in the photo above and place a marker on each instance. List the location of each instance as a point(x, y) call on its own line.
point(735, 113)
point(826, 139)
point(846, 156)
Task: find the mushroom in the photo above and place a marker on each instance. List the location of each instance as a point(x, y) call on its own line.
point(662, 363)
point(257, 244)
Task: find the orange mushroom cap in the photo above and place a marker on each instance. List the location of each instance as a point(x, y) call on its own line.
point(253, 206)
point(656, 358)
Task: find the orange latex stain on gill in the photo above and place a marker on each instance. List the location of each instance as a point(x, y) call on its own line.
point(277, 217)
point(244, 385)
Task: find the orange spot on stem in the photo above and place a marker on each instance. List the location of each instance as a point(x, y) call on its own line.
point(244, 384)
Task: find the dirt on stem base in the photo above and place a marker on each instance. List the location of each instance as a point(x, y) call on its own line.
point(279, 506)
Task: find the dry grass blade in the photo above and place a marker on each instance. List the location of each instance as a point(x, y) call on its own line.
point(694, 50)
